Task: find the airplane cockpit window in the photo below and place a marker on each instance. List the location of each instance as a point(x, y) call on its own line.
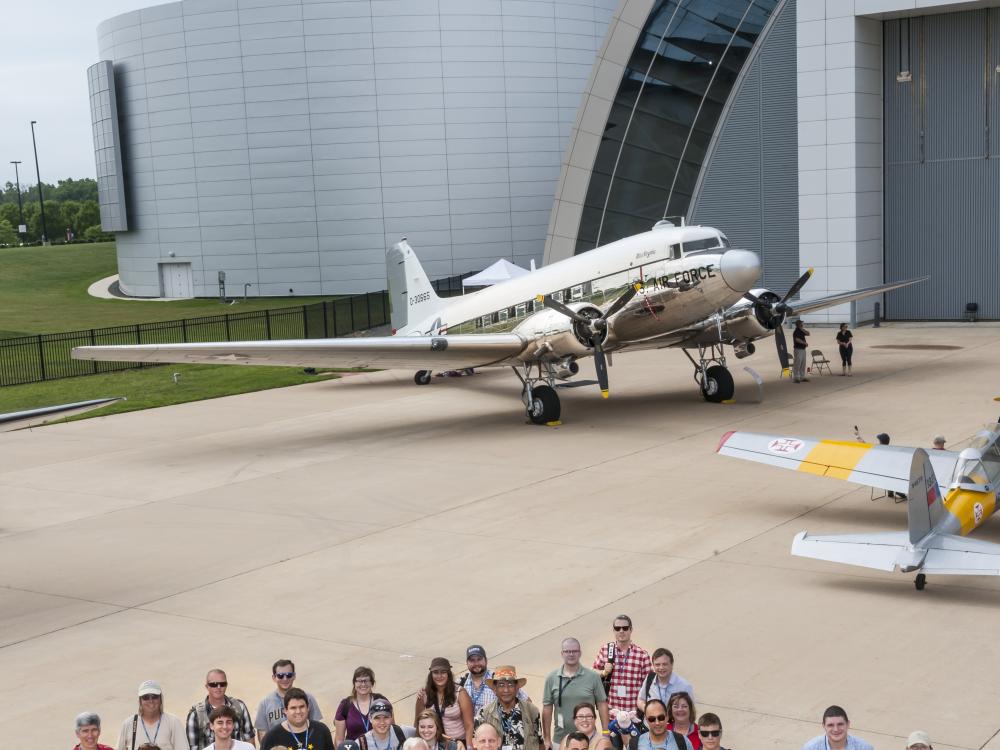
point(724, 240)
point(708, 243)
point(970, 471)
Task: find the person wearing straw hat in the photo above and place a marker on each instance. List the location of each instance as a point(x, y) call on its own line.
point(517, 721)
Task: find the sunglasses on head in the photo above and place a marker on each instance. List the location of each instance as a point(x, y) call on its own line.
point(284, 675)
point(661, 717)
point(710, 732)
point(217, 684)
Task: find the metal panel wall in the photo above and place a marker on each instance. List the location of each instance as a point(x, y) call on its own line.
point(750, 185)
point(942, 177)
point(107, 146)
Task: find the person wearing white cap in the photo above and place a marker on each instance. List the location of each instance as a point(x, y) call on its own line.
point(919, 740)
point(150, 725)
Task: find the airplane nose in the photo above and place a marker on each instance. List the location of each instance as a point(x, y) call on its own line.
point(740, 269)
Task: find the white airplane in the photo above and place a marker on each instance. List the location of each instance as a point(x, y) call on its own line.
point(18, 420)
point(939, 513)
point(674, 286)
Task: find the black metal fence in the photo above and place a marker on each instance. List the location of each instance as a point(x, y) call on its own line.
point(46, 356)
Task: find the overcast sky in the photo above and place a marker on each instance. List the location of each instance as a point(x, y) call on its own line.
point(45, 79)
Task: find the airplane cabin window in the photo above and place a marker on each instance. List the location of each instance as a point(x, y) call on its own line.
point(675, 252)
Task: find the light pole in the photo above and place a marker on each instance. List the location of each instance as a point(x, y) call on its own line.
point(41, 201)
point(21, 229)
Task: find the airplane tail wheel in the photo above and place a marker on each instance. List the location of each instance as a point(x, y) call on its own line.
point(422, 377)
point(920, 581)
point(544, 406)
point(718, 384)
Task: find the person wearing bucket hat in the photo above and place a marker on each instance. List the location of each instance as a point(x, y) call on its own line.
point(150, 725)
point(385, 734)
point(517, 721)
point(474, 682)
point(453, 706)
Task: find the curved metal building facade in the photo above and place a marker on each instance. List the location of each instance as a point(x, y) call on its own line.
point(288, 143)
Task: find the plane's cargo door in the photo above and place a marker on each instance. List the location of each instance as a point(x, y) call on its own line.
point(176, 281)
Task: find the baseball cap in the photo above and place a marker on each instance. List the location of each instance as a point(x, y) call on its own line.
point(918, 738)
point(349, 745)
point(150, 687)
point(472, 651)
point(380, 706)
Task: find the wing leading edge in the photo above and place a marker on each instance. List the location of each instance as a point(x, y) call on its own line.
point(407, 352)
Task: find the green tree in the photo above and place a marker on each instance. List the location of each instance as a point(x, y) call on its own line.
point(8, 213)
point(8, 235)
point(96, 234)
point(53, 222)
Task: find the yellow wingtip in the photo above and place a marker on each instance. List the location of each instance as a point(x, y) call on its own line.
point(604, 393)
point(540, 297)
point(553, 423)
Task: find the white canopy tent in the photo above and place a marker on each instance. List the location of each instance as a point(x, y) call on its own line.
point(502, 270)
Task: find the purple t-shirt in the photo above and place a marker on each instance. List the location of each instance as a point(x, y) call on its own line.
point(357, 722)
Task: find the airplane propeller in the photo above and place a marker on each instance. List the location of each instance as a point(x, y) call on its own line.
point(778, 311)
point(597, 328)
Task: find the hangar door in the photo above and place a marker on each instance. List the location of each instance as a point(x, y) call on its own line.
point(942, 163)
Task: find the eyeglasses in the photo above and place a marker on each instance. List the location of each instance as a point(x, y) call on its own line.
point(284, 675)
point(149, 697)
point(661, 717)
point(361, 680)
point(217, 684)
point(571, 650)
point(585, 717)
point(504, 683)
point(710, 732)
point(622, 628)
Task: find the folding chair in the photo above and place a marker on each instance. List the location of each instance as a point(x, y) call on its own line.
point(819, 362)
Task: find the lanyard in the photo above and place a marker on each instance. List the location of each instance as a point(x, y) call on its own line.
point(659, 690)
point(505, 723)
point(561, 685)
point(295, 737)
point(388, 742)
point(156, 732)
point(365, 721)
point(477, 695)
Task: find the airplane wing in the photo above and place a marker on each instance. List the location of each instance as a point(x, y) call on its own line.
point(384, 352)
point(944, 554)
point(17, 420)
point(883, 466)
point(821, 303)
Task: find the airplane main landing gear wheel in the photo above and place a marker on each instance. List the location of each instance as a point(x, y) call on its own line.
point(422, 377)
point(717, 385)
point(544, 406)
point(920, 581)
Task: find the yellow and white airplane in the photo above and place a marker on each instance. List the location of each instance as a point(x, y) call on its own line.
point(674, 286)
point(939, 513)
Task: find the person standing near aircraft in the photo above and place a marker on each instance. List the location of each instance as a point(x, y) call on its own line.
point(939, 442)
point(453, 707)
point(919, 741)
point(297, 731)
point(351, 720)
point(151, 724)
point(710, 731)
point(662, 682)
point(659, 737)
point(835, 733)
point(200, 732)
point(517, 721)
point(566, 688)
point(844, 341)
point(271, 709)
point(799, 352)
point(474, 683)
point(623, 665)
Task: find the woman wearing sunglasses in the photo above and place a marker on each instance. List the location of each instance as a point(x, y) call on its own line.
point(659, 736)
point(681, 716)
point(710, 731)
point(585, 721)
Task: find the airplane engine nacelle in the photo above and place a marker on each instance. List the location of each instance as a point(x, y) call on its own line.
point(750, 321)
point(556, 337)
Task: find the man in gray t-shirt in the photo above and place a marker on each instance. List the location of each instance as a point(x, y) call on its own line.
point(271, 709)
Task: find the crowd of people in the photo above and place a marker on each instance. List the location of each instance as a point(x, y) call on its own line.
point(629, 700)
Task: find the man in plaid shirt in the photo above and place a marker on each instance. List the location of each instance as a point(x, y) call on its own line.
point(628, 668)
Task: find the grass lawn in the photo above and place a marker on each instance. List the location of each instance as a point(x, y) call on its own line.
point(44, 290)
point(153, 386)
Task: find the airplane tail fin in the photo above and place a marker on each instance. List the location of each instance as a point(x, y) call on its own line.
point(411, 296)
point(924, 506)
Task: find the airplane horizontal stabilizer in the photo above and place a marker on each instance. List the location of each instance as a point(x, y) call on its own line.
point(879, 551)
point(949, 554)
point(382, 352)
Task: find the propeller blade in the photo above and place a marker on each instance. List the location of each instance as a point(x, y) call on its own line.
point(782, 345)
point(622, 301)
point(753, 298)
point(797, 285)
point(601, 365)
point(553, 304)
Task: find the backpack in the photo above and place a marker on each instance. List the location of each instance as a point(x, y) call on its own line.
point(646, 685)
point(397, 730)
